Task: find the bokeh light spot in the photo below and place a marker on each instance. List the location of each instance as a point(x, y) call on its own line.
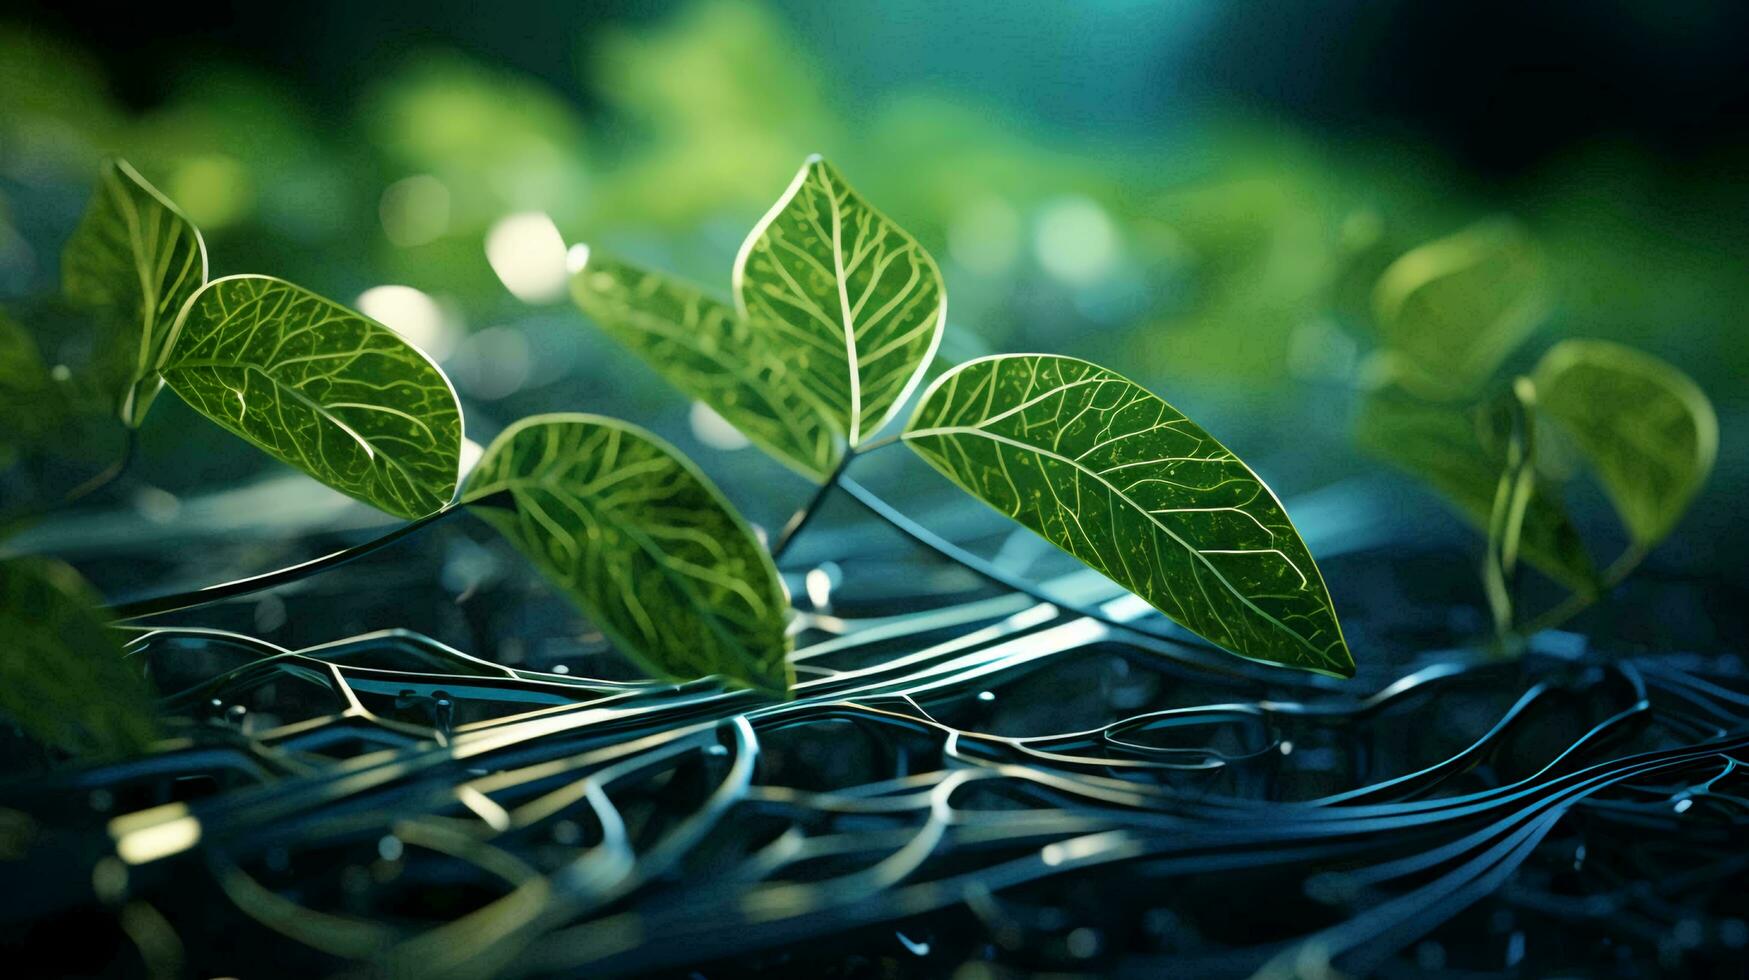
point(528, 254)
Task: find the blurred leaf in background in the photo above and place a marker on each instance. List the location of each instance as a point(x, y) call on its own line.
point(1450, 311)
point(1647, 431)
point(1202, 241)
point(1443, 444)
point(62, 675)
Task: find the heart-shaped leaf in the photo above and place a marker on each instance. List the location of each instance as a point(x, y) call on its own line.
point(329, 391)
point(1646, 429)
point(855, 305)
point(1451, 310)
point(62, 676)
point(710, 352)
point(135, 256)
point(1113, 475)
point(1441, 444)
point(642, 542)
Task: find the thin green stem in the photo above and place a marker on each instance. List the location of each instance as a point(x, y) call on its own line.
point(881, 443)
point(1578, 602)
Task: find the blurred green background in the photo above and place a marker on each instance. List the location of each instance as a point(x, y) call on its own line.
point(1198, 194)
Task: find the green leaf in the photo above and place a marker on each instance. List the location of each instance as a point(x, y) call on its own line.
point(135, 256)
point(24, 387)
point(1451, 310)
point(329, 391)
point(1447, 447)
point(21, 365)
point(711, 353)
point(642, 542)
point(854, 305)
point(62, 676)
point(1645, 428)
point(1121, 480)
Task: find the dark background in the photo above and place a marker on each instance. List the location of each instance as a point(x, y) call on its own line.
point(1502, 86)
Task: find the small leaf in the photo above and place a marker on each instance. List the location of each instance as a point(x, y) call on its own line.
point(854, 305)
point(62, 676)
point(710, 352)
point(329, 391)
point(1646, 429)
point(642, 542)
point(1121, 480)
point(1448, 448)
point(134, 255)
point(1451, 310)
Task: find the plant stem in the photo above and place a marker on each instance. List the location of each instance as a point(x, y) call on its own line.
point(881, 443)
point(273, 579)
point(1577, 603)
point(800, 518)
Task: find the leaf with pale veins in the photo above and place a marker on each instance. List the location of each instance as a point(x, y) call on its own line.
point(1124, 482)
point(854, 305)
point(710, 352)
point(643, 543)
point(314, 384)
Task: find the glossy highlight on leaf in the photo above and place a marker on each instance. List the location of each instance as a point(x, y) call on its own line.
point(1115, 476)
point(710, 352)
point(642, 542)
point(136, 256)
point(1647, 430)
point(855, 305)
point(1442, 444)
point(1451, 310)
point(328, 390)
point(62, 676)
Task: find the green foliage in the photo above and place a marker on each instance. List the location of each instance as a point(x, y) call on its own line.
point(646, 545)
point(837, 298)
point(329, 391)
point(135, 258)
point(709, 351)
point(1645, 428)
point(854, 306)
point(1118, 478)
point(62, 676)
point(316, 385)
point(1442, 444)
point(24, 383)
point(1451, 310)
point(838, 313)
point(630, 530)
